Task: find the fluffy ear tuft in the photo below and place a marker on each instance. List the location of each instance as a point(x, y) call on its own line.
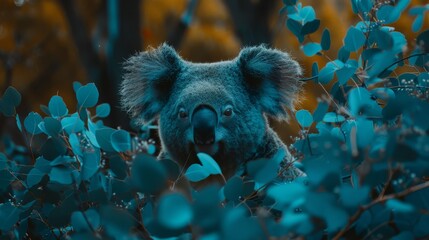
point(272, 78)
point(148, 80)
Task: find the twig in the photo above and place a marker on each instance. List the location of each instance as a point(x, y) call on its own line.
point(383, 199)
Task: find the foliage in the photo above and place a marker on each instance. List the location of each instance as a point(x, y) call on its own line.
point(365, 150)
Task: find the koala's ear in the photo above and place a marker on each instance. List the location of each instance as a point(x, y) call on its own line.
point(272, 79)
point(148, 79)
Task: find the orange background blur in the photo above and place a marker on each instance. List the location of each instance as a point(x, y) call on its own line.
point(45, 45)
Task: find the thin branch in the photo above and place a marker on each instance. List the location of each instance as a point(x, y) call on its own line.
point(403, 59)
point(383, 199)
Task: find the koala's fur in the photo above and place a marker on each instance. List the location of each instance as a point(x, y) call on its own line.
point(259, 82)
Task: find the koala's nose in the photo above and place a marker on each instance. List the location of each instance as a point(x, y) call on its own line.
point(204, 120)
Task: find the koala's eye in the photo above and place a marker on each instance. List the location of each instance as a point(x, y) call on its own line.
point(182, 113)
point(228, 111)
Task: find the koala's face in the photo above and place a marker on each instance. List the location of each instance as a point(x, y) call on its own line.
point(211, 111)
point(216, 108)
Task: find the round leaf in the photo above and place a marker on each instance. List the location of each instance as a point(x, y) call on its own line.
point(87, 95)
point(12, 97)
point(34, 177)
point(103, 137)
point(196, 173)
point(310, 27)
point(57, 107)
point(121, 140)
point(354, 40)
point(52, 126)
point(9, 215)
point(79, 221)
point(174, 211)
point(103, 110)
point(209, 164)
point(332, 117)
point(31, 123)
point(304, 118)
point(62, 175)
point(90, 164)
point(72, 124)
point(327, 73)
point(311, 49)
point(148, 174)
point(398, 206)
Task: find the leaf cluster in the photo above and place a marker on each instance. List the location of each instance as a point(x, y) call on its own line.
point(365, 152)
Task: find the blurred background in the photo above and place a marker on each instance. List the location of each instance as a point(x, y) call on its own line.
point(46, 45)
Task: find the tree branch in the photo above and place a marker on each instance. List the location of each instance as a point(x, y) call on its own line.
point(382, 199)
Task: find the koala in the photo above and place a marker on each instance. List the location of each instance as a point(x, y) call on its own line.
point(220, 108)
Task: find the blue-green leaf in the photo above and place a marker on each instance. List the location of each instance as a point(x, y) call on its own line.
point(104, 138)
point(320, 111)
point(12, 97)
point(263, 171)
point(361, 103)
point(34, 177)
point(399, 206)
point(326, 40)
point(294, 190)
point(404, 235)
point(354, 197)
point(62, 160)
point(310, 27)
point(18, 122)
point(51, 126)
point(75, 144)
point(90, 164)
point(81, 222)
point(364, 131)
point(295, 27)
point(343, 54)
point(121, 140)
point(103, 110)
point(31, 123)
point(307, 14)
point(57, 107)
point(196, 173)
point(174, 211)
point(151, 149)
point(63, 175)
point(311, 49)
point(76, 86)
point(289, 2)
point(347, 71)
point(327, 73)
point(148, 174)
point(332, 117)
point(72, 124)
point(117, 222)
point(304, 118)
point(209, 164)
point(384, 39)
point(45, 109)
point(87, 95)
point(9, 216)
point(418, 23)
point(7, 109)
point(354, 39)
point(314, 70)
